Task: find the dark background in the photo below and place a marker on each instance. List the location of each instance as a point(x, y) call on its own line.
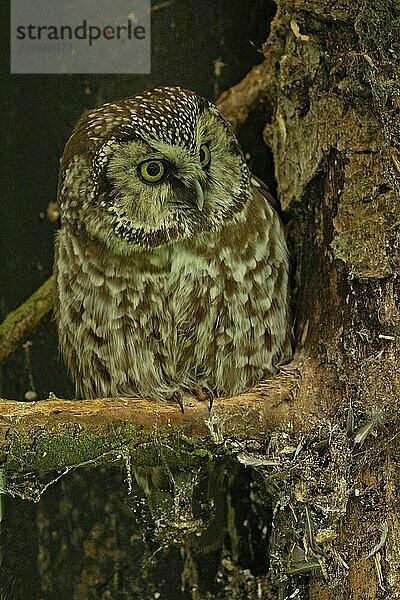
point(38, 113)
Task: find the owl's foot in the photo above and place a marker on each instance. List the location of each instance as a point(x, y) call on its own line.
point(177, 396)
point(204, 393)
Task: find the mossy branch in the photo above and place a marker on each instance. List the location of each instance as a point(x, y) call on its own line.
point(56, 433)
point(24, 320)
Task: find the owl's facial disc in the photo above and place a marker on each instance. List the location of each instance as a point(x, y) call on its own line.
point(160, 168)
point(156, 191)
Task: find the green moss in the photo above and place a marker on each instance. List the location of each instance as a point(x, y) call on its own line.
point(203, 453)
point(55, 449)
point(72, 445)
point(25, 318)
point(187, 440)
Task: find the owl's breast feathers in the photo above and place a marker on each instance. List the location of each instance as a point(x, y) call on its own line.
point(212, 311)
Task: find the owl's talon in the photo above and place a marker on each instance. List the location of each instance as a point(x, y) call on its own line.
point(210, 397)
point(177, 396)
point(204, 393)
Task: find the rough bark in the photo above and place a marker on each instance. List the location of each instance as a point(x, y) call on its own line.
point(336, 145)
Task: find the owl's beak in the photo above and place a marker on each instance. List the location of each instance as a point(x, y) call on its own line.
point(199, 195)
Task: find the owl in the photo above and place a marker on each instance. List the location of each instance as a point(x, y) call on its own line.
point(171, 264)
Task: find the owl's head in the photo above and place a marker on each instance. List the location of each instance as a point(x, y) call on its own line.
point(159, 168)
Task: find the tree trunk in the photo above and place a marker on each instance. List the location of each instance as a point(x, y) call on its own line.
point(335, 140)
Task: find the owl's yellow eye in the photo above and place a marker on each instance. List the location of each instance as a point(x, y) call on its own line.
point(152, 171)
point(205, 155)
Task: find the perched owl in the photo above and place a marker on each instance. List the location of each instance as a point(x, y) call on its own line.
point(171, 263)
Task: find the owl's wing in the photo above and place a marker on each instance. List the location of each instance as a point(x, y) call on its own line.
point(263, 189)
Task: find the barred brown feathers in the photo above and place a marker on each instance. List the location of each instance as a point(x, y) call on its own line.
point(171, 264)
